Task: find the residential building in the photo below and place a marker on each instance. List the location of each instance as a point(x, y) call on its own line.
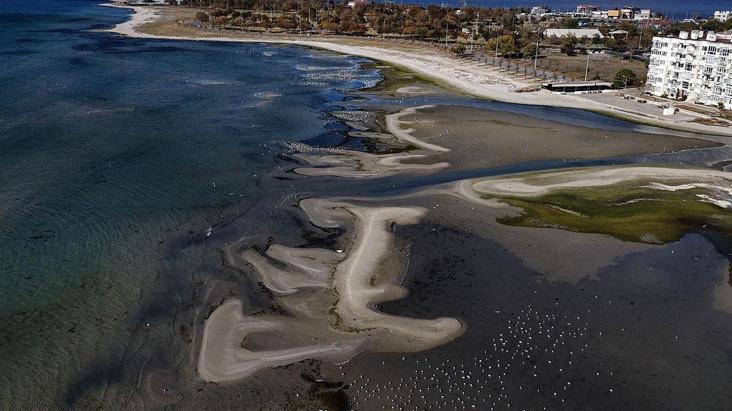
point(586, 9)
point(618, 34)
point(539, 11)
point(643, 14)
point(599, 15)
point(628, 13)
point(655, 23)
point(355, 3)
point(613, 14)
point(723, 15)
point(579, 33)
point(694, 66)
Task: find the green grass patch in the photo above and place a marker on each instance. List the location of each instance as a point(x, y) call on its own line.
point(629, 213)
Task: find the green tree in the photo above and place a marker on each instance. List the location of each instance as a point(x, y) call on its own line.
point(624, 77)
point(506, 45)
point(610, 43)
point(202, 17)
point(459, 49)
point(529, 51)
point(568, 44)
point(569, 23)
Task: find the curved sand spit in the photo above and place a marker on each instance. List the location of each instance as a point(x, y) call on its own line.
point(330, 298)
point(656, 178)
point(358, 164)
point(394, 122)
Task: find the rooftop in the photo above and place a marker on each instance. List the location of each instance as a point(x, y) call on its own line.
point(580, 33)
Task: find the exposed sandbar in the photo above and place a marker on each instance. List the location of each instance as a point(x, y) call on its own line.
point(538, 184)
point(330, 297)
point(394, 122)
point(359, 164)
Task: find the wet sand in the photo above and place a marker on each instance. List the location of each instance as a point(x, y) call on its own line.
point(330, 299)
point(479, 137)
point(566, 321)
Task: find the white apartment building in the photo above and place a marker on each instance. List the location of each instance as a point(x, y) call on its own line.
point(692, 65)
point(643, 14)
point(723, 15)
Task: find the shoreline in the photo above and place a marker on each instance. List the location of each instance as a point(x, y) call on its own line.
point(469, 78)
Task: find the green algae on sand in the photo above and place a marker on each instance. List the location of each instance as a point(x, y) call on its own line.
point(625, 211)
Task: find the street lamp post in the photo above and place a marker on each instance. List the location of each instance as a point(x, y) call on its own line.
point(496, 47)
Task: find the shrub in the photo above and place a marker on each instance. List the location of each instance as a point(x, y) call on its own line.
point(459, 49)
point(624, 77)
point(568, 45)
point(202, 17)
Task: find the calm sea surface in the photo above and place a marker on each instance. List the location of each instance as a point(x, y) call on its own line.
point(114, 155)
point(126, 166)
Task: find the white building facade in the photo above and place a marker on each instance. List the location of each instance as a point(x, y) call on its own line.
point(579, 33)
point(694, 65)
point(723, 15)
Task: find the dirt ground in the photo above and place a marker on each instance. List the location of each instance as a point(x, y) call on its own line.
point(602, 66)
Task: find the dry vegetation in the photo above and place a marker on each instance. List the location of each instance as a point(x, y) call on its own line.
point(602, 66)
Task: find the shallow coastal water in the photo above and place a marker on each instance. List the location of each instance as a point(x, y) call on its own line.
point(118, 158)
point(129, 166)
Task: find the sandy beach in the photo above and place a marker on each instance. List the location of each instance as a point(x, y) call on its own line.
point(467, 76)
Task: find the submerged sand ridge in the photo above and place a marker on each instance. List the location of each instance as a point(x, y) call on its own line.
point(360, 164)
point(330, 297)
